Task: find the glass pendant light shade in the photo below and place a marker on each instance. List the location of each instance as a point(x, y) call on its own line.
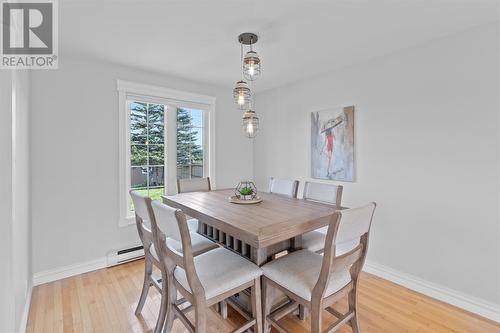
point(250, 124)
point(242, 94)
point(251, 66)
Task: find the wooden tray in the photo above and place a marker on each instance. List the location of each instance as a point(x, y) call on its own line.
point(236, 200)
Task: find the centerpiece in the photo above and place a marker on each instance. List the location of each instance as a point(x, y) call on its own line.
point(245, 193)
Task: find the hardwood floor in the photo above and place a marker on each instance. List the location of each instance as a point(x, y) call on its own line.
point(105, 300)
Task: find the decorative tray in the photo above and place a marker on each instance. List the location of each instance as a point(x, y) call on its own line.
point(236, 200)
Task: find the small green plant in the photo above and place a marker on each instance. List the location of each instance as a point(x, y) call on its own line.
point(246, 191)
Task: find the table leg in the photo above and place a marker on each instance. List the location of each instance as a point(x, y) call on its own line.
point(258, 256)
point(296, 243)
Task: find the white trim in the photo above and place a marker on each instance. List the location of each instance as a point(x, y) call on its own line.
point(469, 303)
point(67, 271)
point(162, 92)
point(26, 310)
point(166, 96)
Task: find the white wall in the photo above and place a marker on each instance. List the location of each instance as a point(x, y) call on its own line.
point(427, 142)
point(75, 157)
point(6, 278)
point(15, 206)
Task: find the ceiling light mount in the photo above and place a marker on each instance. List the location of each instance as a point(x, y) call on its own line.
point(248, 38)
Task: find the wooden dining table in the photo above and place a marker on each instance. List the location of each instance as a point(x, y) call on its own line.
point(255, 231)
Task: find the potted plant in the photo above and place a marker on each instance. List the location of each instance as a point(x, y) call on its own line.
point(246, 193)
point(245, 190)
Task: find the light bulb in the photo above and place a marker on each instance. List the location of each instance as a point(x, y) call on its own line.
point(251, 70)
point(241, 99)
point(250, 128)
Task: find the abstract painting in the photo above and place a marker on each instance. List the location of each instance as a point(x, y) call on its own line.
point(332, 144)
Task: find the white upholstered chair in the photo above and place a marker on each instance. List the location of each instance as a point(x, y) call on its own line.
point(142, 207)
point(325, 193)
point(193, 185)
point(285, 187)
point(203, 280)
point(317, 282)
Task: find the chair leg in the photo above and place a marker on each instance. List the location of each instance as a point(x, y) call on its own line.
point(200, 315)
point(302, 312)
point(353, 306)
point(267, 304)
point(316, 318)
point(172, 299)
point(256, 305)
point(164, 303)
point(148, 270)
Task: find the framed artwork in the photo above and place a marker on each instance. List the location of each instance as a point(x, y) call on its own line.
point(332, 144)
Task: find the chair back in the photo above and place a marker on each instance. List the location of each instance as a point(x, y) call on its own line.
point(168, 222)
point(143, 219)
point(349, 226)
point(285, 187)
point(326, 193)
point(193, 185)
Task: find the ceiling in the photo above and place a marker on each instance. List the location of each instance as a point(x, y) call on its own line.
point(197, 39)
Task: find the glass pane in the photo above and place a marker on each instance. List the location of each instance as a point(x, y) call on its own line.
point(138, 177)
point(138, 122)
point(197, 171)
point(197, 154)
point(155, 123)
point(197, 116)
point(156, 193)
point(138, 154)
point(184, 138)
point(156, 154)
point(183, 172)
point(156, 177)
point(184, 118)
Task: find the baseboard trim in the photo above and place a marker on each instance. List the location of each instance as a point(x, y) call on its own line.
point(466, 302)
point(67, 271)
point(26, 311)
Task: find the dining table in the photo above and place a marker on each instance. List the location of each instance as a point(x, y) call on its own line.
point(255, 231)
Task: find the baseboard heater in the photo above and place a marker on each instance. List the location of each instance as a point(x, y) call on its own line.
point(126, 255)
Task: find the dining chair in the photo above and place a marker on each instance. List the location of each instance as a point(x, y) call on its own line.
point(318, 281)
point(142, 208)
point(203, 280)
point(193, 185)
point(285, 187)
point(324, 193)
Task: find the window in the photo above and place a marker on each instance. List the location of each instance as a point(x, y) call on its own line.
point(147, 148)
point(164, 135)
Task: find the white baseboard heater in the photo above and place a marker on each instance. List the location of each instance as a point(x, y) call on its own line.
point(126, 255)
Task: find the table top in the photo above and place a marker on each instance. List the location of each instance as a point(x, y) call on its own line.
point(275, 219)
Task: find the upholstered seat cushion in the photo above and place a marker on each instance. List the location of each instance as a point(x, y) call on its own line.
point(199, 243)
point(192, 225)
point(219, 271)
point(299, 273)
point(315, 241)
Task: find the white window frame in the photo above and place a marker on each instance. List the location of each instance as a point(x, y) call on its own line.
point(171, 98)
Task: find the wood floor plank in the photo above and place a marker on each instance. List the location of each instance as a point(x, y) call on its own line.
point(105, 301)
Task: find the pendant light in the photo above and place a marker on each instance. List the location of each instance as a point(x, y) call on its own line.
point(250, 124)
point(242, 94)
point(251, 63)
